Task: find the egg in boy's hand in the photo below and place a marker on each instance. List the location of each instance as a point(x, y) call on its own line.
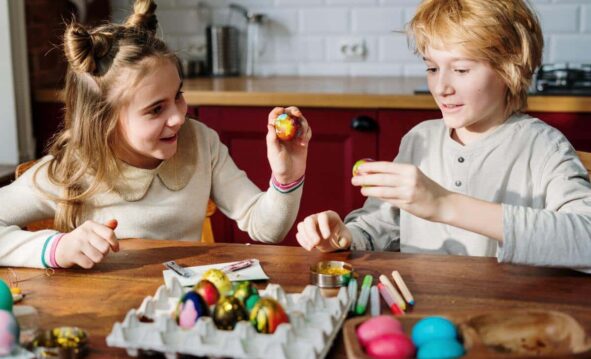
point(287, 127)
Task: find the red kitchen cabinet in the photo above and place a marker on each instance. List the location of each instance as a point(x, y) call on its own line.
point(576, 126)
point(334, 148)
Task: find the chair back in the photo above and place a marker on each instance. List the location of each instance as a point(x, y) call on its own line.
point(206, 233)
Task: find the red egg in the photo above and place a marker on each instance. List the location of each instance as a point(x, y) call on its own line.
point(391, 346)
point(287, 127)
point(208, 291)
point(376, 327)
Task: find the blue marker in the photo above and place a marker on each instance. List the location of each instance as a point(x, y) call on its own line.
point(364, 295)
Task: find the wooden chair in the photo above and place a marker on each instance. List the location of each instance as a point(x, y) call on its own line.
point(586, 159)
point(206, 232)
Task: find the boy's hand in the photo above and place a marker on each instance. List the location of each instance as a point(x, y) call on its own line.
point(325, 231)
point(87, 245)
point(403, 185)
point(287, 158)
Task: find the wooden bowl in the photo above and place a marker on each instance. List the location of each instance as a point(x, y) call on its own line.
point(512, 333)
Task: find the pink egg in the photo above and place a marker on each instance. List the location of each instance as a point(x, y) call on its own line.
point(391, 346)
point(377, 326)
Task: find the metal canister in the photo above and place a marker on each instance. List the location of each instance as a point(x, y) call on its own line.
point(223, 50)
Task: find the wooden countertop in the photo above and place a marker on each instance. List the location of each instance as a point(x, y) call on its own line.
point(95, 299)
point(342, 92)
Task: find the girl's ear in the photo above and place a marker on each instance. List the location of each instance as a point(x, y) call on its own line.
point(144, 16)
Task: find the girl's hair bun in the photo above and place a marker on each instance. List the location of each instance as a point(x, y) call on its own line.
point(144, 16)
point(84, 49)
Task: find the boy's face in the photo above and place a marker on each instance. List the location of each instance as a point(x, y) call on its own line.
point(469, 93)
point(147, 130)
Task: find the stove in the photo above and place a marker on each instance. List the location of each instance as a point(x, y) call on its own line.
point(563, 79)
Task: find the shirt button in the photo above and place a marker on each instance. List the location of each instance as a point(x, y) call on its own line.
point(458, 183)
point(461, 159)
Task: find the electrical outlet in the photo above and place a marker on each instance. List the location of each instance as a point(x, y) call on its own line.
point(352, 49)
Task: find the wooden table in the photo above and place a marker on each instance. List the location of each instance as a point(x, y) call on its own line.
point(96, 299)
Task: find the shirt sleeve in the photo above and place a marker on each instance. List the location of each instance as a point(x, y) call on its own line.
point(20, 204)
point(559, 234)
point(375, 226)
point(266, 216)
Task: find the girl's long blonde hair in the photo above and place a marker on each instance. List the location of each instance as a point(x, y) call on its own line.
point(97, 87)
point(504, 33)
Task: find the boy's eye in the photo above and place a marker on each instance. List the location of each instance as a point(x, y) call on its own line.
point(462, 71)
point(431, 69)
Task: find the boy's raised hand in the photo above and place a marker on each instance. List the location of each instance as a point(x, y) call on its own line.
point(87, 245)
point(403, 185)
point(324, 231)
point(287, 158)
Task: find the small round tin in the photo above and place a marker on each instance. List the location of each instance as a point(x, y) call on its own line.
point(331, 274)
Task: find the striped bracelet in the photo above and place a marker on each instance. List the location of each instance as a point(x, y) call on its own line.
point(286, 188)
point(43, 261)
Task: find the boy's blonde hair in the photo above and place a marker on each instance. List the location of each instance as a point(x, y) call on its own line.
point(504, 33)
point(105, 63)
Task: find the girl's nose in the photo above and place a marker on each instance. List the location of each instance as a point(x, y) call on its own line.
point(177, 118)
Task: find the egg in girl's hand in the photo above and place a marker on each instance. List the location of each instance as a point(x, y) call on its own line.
point(376, 327)
point(208, 291)
point(219, 279)
point(440, 349)
point(227, 312)
point(432, 328)
point(359, 163)
point(391, 346)
point(287, 127)
point(190, 308)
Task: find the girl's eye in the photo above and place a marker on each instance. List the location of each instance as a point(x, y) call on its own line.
point(157, 110)
point(179, 95)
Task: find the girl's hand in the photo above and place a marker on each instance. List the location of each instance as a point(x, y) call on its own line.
point(325, 231)
point(87, 245)
point(287, 158)
point(403, 185)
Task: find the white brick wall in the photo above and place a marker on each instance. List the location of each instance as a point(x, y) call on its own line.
point(304, 37)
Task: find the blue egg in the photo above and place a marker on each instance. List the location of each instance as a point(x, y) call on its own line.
point(440, 349)
point(431, 328)
point(190, 308)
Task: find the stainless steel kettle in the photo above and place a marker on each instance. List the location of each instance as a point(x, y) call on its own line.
point(223, 50)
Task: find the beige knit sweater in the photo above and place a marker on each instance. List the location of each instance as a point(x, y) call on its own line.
point(167, 202)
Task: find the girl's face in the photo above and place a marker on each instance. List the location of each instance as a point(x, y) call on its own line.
point(147, 130)
point(469, 93)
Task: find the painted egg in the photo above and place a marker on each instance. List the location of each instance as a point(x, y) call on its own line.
point(359, 163)
point(243, 290)
point(219, 279)
point(9, 332)
point(251, 302)
point(6, 300)
point(391, 346)
point(208, 291)
point(267, 314)
point(432, 328)
point(287, 127)
point(228, 311)
point(441, 349)
point(377, 326)
point(190, 308)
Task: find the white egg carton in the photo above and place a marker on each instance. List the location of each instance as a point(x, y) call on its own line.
point(314, 322)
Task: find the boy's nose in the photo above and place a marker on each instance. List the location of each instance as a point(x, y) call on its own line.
point(443, 86)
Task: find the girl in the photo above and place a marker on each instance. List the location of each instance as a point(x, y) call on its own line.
point(485, 180)
point(128, 152)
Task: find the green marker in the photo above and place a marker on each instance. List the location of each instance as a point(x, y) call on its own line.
point(364, 295)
